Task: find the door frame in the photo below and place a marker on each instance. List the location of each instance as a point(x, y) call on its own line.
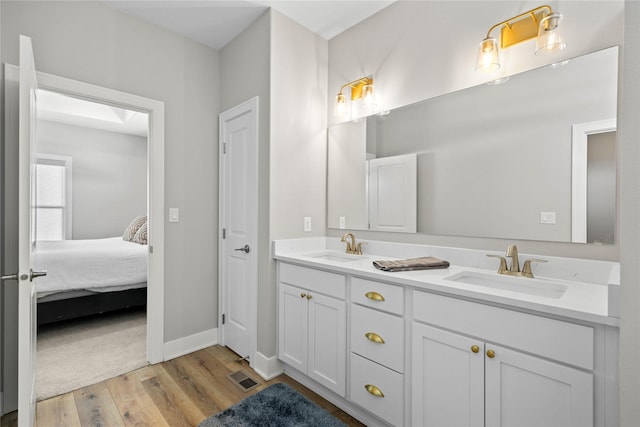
point(250, 106)
point(155, 191)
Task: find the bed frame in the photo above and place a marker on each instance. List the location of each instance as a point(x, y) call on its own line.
point(72, 308)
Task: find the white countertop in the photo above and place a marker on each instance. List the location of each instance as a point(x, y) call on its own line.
point(585, 299)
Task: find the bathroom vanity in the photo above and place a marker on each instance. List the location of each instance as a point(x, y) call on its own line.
point(456, 346)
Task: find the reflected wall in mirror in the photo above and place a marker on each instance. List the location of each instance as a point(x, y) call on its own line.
point(496, 160)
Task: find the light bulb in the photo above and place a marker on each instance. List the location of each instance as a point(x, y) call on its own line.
point(550, 38)
point(488, 56)
point(341, 105)
point(367, 95)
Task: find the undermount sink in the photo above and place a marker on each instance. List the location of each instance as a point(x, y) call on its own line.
point(335, 256)
point(522, 285)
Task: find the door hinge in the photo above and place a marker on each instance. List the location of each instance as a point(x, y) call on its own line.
point(223, 319)
point(224, 233)
point(150, 249)
point(224, 148)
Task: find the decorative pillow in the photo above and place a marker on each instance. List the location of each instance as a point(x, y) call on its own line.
point(141, 235)
point(133, 228)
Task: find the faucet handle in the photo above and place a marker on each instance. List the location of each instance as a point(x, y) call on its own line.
point(358, 248)
point(503, 263)
point(526, 268)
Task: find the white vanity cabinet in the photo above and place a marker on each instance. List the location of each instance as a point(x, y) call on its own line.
point(401, 350)
point(476, 365)
point(312, 324)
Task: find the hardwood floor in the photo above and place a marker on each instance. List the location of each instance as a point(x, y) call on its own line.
point(180, 392)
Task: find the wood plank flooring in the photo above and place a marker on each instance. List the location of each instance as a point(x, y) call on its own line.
point(180, 392)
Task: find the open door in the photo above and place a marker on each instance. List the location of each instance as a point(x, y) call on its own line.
point(26, 237)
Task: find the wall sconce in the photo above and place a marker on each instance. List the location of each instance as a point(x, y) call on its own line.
point(541, 22)
point(360, 89)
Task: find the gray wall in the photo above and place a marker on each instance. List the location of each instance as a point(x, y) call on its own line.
point(629, 165)
point(298, 142)
point(109, 181)
point(93, 43)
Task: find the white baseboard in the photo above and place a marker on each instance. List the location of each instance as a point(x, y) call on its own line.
point(186, 345)
point(267, 367)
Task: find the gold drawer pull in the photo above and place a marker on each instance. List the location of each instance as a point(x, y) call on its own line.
point(491, 354)
point(372, 336)
point(374, 390)
point(475, 348)
point(374, 296)
point(302, 295)
point(309, 296)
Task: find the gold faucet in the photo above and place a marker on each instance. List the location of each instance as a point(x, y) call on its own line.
point(352, 247)
point(514, 269)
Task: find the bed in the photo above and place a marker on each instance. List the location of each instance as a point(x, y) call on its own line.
point(90, 276)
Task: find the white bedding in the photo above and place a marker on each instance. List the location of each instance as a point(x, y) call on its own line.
point(92, 264)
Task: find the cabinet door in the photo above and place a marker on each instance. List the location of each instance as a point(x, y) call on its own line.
point(292, 326)
point(448, 379)
point(327, 342)
point(523, 390)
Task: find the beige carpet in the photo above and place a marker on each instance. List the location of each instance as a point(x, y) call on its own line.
point(78, 353)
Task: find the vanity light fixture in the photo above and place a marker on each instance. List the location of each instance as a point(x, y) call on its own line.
point(541, 22)
point(360, 89)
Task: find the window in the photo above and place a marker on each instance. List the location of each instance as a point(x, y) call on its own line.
point(53, 197)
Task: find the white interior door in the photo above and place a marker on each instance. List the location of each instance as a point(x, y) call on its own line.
point(238, 228)
point(26, 237)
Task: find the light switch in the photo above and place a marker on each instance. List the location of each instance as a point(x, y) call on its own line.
point(307, 224)
point(174, 215)
point(547, 217)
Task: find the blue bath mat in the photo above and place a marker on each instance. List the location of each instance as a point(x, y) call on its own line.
point(278, 405)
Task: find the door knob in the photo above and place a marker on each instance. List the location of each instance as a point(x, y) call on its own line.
point(244, 249)
point(10, 277)
point(36, 274)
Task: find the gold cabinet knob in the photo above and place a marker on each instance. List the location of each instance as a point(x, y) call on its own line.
point(302, 295)
point(374, 390)
point(372, 336)
point(475, 348)
point(374, 296)
point(491, 354)
point(309, 296)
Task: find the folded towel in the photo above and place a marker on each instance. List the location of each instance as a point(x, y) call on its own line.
point(423, 263)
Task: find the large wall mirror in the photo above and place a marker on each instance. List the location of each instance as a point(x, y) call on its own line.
point(532, 158)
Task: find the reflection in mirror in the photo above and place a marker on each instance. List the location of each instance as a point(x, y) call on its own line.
point(495, 160)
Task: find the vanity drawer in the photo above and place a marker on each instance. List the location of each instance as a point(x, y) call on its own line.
point(323, 282)
point(381, 296)
point(365, 372)
point(563, 341)
point(390, 329)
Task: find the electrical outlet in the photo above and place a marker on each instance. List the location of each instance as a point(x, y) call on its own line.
point(307, 224)
point(343, 223)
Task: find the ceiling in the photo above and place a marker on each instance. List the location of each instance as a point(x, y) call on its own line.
point(216, 22)
point(56, 107)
